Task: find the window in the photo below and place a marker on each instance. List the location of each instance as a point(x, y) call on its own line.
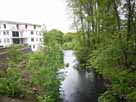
point(34, 26)
point(32, 32)
point(32, 39)
point(26, 26)
point(29, 46)
point(15, 34)
point(17, 26)
point(33, 46)
point(40, 39)
point(4, 33)
point(7, 32)
point(16, 41)
point(4, 26)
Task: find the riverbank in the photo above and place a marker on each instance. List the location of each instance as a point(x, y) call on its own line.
point(31, 77)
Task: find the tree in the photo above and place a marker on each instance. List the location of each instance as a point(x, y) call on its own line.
point(53, 37)
point(107, 44)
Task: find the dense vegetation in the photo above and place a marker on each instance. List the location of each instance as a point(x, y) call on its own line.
point(70, 41)
point(107, 43)
point(32, 76)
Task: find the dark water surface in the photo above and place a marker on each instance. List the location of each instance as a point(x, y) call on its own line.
point(77, 86)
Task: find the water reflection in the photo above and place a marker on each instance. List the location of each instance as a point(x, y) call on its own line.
point(77, 86)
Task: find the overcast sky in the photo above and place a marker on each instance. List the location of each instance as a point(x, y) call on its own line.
point(52, 13)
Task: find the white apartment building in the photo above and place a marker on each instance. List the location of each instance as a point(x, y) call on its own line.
point(21, 33)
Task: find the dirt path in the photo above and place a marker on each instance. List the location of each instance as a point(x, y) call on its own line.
point(8, 99)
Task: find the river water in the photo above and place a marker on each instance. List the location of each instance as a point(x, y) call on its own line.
point(77, 86)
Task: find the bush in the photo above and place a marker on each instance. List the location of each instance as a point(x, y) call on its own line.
point(11, 84)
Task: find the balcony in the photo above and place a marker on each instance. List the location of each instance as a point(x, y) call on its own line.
point(17, 34)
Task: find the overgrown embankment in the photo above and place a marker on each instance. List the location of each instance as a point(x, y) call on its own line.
point(106, 42)
point(31, 77)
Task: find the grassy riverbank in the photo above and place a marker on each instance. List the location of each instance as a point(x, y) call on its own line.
point(32, 76)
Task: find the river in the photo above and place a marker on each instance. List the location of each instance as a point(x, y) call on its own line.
point(77, 85)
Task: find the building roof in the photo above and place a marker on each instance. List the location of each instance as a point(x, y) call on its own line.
point(14, 22)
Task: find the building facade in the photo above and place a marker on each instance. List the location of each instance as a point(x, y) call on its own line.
point(21, 33)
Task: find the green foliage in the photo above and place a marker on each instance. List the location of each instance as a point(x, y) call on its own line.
point(107, 43)
point(53, 61)
point(11, 84)
point(70, 41)
point(32, 76)
point(53, 37)
point(110, 63)
point(14, 54)
point(45, 99)
point(44, 67)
